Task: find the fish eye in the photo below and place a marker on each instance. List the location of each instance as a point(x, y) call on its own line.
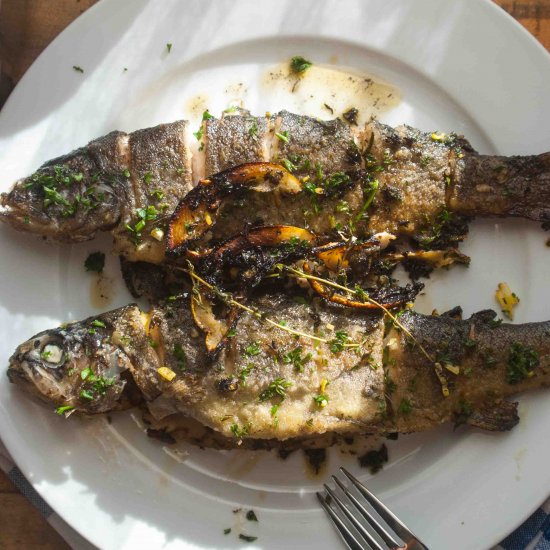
point(52, 355)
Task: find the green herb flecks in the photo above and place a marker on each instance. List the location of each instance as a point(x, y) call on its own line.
point(299, 64)
point(283, 136)
point(247, 538)
point(405, 407)
point(238, 431)
point(295, 358)
point(521, 363)
point(253, 349)
point(168, 47)
point(321, 400)
point(276, 388)
point(251, 516)
point(63, 409)
point(78, 69)
point(95, 262)
point(337, 344)
point(200, 132)
point(179, 355)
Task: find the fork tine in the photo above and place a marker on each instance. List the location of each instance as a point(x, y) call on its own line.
point(356, 523)
point(384, 535)
point(349, 538)
point(391, 519)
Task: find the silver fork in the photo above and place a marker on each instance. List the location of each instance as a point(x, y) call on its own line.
point(350, 517)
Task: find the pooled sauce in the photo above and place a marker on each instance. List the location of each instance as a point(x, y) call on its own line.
point(195, 106)
point(101, 291)
point(326, 92)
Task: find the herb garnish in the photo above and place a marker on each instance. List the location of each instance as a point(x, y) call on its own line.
point(405, 407)
point(169, 47)
point(251, 516)
point(63, 409)
point(180, 356)
point(199, 133)
point(227, 531)
point(321, 400)
point(276, 388)
point(78, 69)
point(247, 538)
point(253, 349)
point(351, 116)
point(521, 362)
point(298, 64)
point(283, 136)
point(95, 262)
point(295, 358)
point(239, 432)
point(338, 343)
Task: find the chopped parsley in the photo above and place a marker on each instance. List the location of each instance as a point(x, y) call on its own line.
point(247, 538)
point(78, 69)
point(321, 400)
point(283, 136)
point(290, 166)
point(251, 516)
point(180, 356)
point(521, 363)
point(232, 332)
point(63, 409)
point(95, 262)
point(253, 130)
point(338, 343)
point(253, 349)
point(199, 133)
point(405, 407)
point(98, 323)
point(148, 177)
point(169, 47)
point(296, 358)
point(227, 531)
point(277, 388)
point(239, 432)
point(45, 355)
point(245, 371)
point(299, 64)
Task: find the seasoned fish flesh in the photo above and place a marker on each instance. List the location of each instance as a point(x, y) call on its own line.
point(362, 375)
point(361, 182)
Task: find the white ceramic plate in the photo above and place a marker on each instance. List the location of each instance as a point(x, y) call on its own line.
point(464, 66)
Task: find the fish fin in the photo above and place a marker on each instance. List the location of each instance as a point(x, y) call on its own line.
point(499, 417)
point(484, 316)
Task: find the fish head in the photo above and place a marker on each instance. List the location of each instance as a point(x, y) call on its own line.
point(63, 202)
point(75, 368)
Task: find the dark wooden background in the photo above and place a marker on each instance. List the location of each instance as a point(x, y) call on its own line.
point(26, 28)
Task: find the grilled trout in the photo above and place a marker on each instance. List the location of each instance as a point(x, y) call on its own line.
point(339, 372)
point(363, 181)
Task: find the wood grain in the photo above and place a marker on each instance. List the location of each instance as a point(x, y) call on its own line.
point(26, 28)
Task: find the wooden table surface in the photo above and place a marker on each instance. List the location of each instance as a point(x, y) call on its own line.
point(26, 28)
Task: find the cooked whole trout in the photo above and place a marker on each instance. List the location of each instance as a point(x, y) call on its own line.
point(365, 181)
point(359, 377)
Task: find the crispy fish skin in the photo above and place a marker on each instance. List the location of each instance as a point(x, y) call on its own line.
point(517, 186)
point(488, 370)
point(265, 384)
point(235, 139)
point(394, 179)
point(107, 185)
point(160, 174)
